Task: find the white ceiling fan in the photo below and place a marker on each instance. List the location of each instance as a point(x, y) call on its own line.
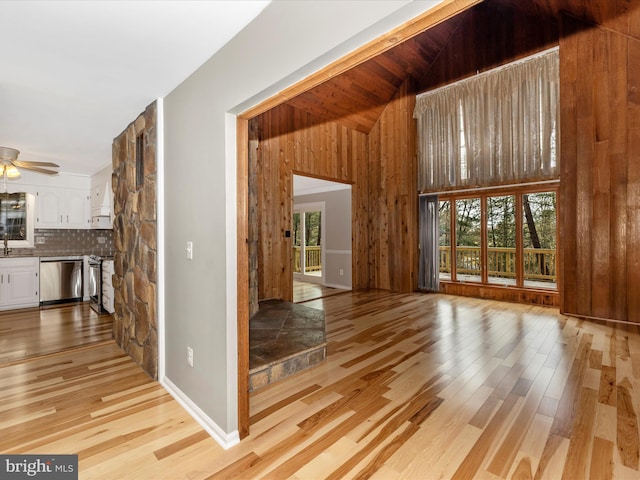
point(10, 165)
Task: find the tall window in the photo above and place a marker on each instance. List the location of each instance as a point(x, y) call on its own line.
point(515, 244)
point(468, 237)
point(494, 135)
point(307, 241)
point(501, 239)
point(444, 239)
point(539, 239)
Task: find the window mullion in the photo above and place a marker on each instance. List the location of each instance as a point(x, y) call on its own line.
point(519, 242)
point(484, 255)
point(454, 239)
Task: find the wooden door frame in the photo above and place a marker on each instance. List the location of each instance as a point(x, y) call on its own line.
point(434, 16)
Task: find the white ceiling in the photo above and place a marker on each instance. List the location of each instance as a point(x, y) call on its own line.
point(308, 185)
point(74, 74)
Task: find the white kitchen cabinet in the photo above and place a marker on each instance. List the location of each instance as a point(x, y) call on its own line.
point(107, 286)
point(62, 208)
point(102, 199)
point(19, 282)
point(101, 193)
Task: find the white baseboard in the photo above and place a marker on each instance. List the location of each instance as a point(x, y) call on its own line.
point(226, 440)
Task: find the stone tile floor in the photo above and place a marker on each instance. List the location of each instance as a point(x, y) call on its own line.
point(284, 338)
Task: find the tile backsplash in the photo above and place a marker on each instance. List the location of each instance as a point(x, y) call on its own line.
point(59, 242)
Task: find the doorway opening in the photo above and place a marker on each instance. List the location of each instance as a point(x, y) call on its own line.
point(321, 231)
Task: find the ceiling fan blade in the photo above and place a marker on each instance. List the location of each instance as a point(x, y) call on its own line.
point(38, 169)
point(24, 164)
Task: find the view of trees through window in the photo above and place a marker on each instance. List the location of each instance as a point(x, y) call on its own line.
point(501, 239)
point(468, 235)
point(539, 238)
point(307, 233)
point(444, 241)
point(526, 219)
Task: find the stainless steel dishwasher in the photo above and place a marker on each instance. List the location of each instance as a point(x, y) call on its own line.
point(60, 279)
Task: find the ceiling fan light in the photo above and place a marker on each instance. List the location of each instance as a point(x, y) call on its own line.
point(12, 172)
point(8, 154)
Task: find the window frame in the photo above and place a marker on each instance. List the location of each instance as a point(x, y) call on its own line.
point(483, 193)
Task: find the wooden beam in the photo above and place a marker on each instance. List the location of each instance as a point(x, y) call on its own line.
point(243, 275)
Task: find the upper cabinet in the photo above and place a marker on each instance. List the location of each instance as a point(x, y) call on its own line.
point(102, 199)
point(62, 208)
point(67, 200)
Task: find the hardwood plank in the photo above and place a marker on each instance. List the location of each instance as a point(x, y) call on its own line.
point(602, 465)
point(469, 467)
point(504, 457)
point(607, 392)
point(576, 465)
point(628, 438)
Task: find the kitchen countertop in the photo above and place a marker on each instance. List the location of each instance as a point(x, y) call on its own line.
point(54, 257)
point(61, 258)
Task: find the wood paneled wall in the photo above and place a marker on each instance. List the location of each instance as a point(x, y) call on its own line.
point(600, 145)
point(292, 141)
point(382, 170)
point(393, 196)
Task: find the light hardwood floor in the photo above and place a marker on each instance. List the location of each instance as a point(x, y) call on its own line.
point(414, 387)
point(31, 332)
point(305, 291)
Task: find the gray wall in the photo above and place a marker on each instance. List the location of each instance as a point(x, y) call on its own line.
point(337, 234)
point(285, 43)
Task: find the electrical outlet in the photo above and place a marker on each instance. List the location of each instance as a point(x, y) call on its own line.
point(341, 272)
point(190, 356)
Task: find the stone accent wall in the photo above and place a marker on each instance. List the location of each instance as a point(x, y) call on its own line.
point(134, 241)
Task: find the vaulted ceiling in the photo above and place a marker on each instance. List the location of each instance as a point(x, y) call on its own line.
point(601, 12)
point(357, 97)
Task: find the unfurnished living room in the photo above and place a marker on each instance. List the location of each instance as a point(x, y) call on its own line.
point(456, 294)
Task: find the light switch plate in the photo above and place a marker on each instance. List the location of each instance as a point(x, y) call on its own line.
point(189, 250)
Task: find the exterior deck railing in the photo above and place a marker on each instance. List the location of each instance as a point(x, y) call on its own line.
point(539, 263)
point(312, 259)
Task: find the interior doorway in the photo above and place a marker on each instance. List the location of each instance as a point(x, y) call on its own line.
point(321, 231)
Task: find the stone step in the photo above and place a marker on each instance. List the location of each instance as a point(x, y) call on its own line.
point(284, 338)
point(264, 375)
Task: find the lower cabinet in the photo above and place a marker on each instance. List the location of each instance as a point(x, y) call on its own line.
point(19, 282)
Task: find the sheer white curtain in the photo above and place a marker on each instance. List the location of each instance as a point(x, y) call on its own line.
point(498, 127)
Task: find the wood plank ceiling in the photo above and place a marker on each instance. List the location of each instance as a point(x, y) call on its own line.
point(357, 97)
